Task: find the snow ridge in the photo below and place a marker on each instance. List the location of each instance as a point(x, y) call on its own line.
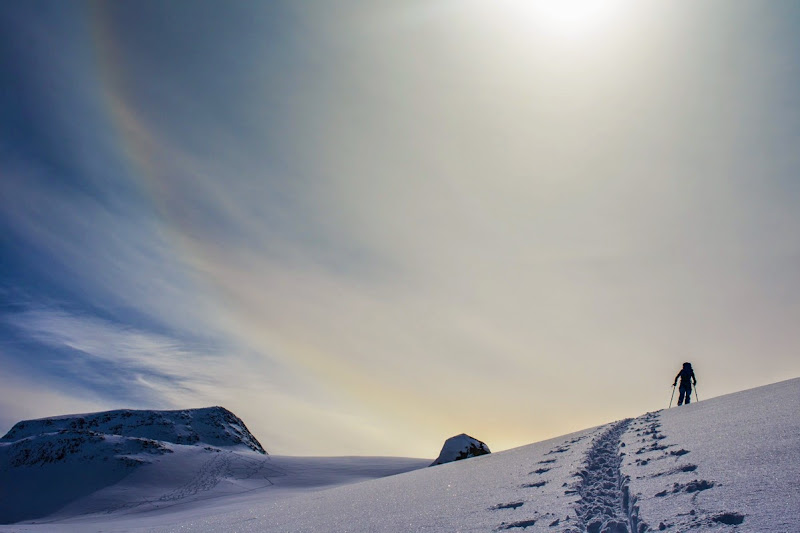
point(606, 505)
point(215, 426)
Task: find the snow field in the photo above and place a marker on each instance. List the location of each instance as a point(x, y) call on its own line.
point(517, 489)
point(729, 464)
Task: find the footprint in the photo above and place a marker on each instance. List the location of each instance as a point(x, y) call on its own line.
point(731, 519)
point(521, 524)
point(698, 485)
point(654, 447)
point(512, 505)
point(540, 471)
point(684, 468)
point(561, 449)
point(693, 486)
point(534, 485)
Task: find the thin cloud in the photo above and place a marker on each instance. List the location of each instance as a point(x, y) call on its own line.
point(135, 358)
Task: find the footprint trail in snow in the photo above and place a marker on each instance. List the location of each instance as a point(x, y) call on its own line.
point(605, 505)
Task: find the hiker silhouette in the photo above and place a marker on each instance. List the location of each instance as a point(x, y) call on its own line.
point(687, 380)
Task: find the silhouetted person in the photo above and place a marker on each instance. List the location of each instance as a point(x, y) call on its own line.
point(687, 380)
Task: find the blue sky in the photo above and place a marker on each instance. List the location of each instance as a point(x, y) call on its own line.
point(367, 226)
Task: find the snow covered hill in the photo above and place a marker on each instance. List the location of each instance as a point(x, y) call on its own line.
point(123, 461)
point(726, 464)
point(51, 463)
point(215, 426)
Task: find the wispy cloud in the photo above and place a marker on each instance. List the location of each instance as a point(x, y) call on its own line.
point(109, 253)
point(115, 356)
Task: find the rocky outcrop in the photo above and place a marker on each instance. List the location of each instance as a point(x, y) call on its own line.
point(460, 447)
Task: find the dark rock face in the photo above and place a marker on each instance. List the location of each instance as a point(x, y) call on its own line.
point(460, 447)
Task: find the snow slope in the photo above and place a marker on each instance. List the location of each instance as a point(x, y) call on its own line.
point(719, 461)
point(727, 464)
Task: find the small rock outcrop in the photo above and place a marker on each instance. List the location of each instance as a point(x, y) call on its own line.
point(460, 447)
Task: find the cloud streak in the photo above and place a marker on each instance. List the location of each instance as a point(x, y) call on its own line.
point(137, 356)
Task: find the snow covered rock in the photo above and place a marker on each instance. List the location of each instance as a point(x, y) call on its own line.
point(214, 426)
point(460, 447)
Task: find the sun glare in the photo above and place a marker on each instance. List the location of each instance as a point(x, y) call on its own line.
point(568, 18)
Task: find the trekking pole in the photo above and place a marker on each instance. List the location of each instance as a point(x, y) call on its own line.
point(673, 396)
point(696, 396)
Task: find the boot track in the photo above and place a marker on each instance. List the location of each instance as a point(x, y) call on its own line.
point(606, 505)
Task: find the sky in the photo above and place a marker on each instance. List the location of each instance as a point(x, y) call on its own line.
point(367, 226)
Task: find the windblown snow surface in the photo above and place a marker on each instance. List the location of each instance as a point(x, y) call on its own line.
point(726, 464)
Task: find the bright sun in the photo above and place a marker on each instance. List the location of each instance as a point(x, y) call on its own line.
point(569, 18)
